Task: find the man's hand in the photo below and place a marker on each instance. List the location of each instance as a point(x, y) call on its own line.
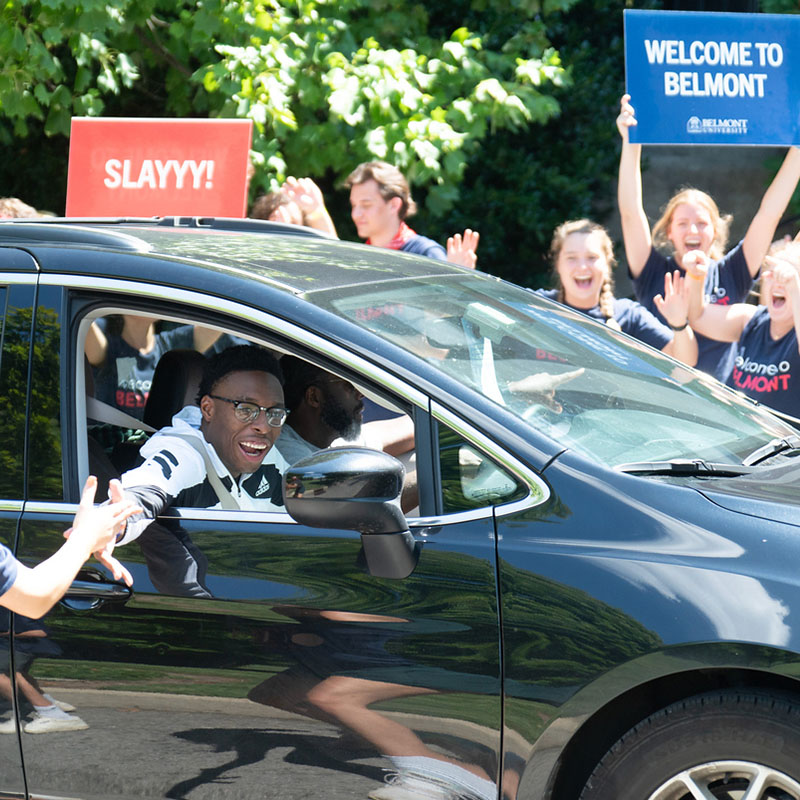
point(98, 526)
point(541, 387)
point(461, 249)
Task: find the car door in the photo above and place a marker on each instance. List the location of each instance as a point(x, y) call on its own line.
point(17, 291)
point(298, 672)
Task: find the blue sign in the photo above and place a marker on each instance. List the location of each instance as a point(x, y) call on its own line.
point(707, 78)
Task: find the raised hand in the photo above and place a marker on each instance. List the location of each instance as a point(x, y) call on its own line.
point(305, 193)
point(98, 526)
point(310, 201)
point(673, 305)
point(626, 118)
point(696, 263)
point(783, 273)
point(461, 249)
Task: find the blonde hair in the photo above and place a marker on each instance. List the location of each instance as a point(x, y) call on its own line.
point(720, 222)
point(790, 252)
point(560, 235)
point(14, 208)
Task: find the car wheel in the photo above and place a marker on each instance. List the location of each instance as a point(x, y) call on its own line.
point(726, 745)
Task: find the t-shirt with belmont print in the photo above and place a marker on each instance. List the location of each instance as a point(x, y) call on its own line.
point(766, 369)
point(124, 380)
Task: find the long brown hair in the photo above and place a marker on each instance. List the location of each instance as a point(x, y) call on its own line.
point(560, 235)
point(694, 197)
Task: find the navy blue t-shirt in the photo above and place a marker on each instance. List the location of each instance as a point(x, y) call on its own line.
point(764, 368)
point(728, 281)
point(423, 246)
point(123, 381)
point(632, 317)
point(8, 569)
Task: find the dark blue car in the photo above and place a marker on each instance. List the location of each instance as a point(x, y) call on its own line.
point(595, 598)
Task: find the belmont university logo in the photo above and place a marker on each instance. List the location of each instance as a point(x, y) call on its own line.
point(696, 125)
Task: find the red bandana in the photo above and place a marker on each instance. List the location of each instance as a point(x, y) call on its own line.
point(404, 233)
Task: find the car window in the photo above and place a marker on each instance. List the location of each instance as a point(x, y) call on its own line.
point(469, 478)
point(590, 388)
point(37, 409)
point(16, 323)
point(45, 478)
point(130, 393)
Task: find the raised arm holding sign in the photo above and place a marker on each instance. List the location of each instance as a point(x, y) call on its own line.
point(691, 221)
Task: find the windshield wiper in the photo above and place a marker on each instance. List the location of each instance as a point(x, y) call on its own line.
point(684, 466)
point(772, 448)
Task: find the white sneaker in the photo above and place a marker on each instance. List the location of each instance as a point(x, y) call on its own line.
point(40, 724)
point(400, 786)
point(8, 725)
point(62, 704)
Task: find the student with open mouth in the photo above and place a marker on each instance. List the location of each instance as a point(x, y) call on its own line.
point(767, 355)
point(583, 259)
point(691, 221)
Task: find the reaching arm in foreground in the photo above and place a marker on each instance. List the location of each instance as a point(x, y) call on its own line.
point(35, 590)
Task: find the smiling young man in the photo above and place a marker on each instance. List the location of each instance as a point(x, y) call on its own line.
point(380, 203)
point(221, 454)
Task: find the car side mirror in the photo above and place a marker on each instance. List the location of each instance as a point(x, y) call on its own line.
point(356, 489)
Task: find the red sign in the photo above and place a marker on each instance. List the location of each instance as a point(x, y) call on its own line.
point(158, 167)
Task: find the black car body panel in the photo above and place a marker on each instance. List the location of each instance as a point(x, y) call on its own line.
point(555, 601)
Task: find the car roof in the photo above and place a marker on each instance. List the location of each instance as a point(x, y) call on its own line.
point(296, 259)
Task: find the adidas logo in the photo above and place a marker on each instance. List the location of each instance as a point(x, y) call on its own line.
point(263, 486)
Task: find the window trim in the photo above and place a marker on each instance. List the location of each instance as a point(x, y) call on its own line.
point(305, 340)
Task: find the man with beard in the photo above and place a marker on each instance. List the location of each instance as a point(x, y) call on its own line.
point(327, 411)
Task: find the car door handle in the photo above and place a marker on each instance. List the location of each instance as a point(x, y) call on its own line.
point(86, 595)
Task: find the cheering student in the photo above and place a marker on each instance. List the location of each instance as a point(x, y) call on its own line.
point(767, 362)
point(583, 258)
point(691, 221)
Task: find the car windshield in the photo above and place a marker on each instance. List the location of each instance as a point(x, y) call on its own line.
point(581, 383)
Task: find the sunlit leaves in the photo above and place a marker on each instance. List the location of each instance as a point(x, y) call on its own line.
point(327, 83)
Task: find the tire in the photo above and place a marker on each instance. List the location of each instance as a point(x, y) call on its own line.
point(717, 745)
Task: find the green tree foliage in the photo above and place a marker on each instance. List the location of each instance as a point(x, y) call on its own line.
point(327, 84)
point(780, 6)
point(528, 182)
point(499, 111)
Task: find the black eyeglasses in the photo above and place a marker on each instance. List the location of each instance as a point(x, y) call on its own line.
point(248, 412)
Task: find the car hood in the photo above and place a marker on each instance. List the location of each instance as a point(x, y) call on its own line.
point(768, 493)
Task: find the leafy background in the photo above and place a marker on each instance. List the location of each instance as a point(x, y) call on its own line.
point(500, 112)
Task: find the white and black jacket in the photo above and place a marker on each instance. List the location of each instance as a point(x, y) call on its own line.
point(174, 475)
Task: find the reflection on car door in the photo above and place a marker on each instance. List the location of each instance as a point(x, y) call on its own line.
point(16, 304)
point(298, 669)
